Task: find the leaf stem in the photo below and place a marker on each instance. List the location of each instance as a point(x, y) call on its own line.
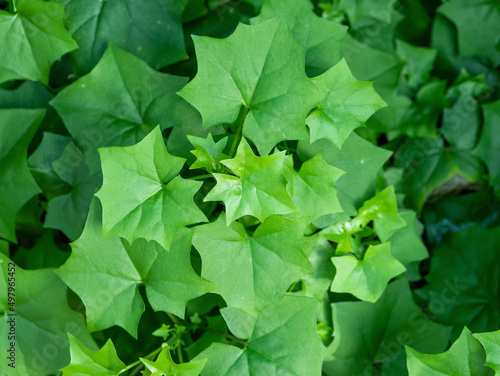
point(138, 364)
point(200, 177)
point(237, 135)
point(174, 319)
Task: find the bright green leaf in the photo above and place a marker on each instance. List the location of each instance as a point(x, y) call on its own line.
point(208, 153)
point(346, 104)
point(361, 162)
point(366, 279)
point(464, 358)
point(491, 344)
point(165, 366)
point(119, 103)
point(141, 195)
point(260, 69)
point(84, 361)
point(106, 274)
point(284, 342)
point(33, 39)
point(312, 189)
point(42, 322)
point(258, 189)
point(251, 271)
point(17, 128)
point(320, 37)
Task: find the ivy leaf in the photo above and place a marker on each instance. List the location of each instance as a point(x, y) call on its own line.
point(431, 169)
point(109, 287)
point(258, 189)
point(40, 163)
point(346, 104)
point(383, 211)
point(312, 189)
point(465, 273)
point(142, 196)
point(164, 365)
point(84, 361)
point(17, 128)
point(33, 39)
point(260, 69)
point(44, 254)
point(465, 357)
point(251, 271)
point(272, 349)
point(27, 95)
point(419, 62)
point(370, 337)
point(151, 30)
point(406, 245)
point(476, 24)
point(43, 320)
point(68, 212)
point(119, 103)
point(320, 37)
point(361, 162)
point(357, 10)
point(488, 146)
point(491, 344)
point(366, 279)
point(208, 153)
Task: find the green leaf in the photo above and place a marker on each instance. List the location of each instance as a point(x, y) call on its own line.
point(491, 344)
point(319, 252)
point(151, 30)
point(208, 153)
point(431, 170)
point(488, 147)
point(320, 37)
point(119, 103)
point(346, 104)
point(68, 212)
point(383, 211)
point(42, 321)
point(142, 196)
point(33, 39)
point(44, 254)
point(419, 62)
point(370, 337)
point(357, 10)
point(251, 271)
point(165, 366)
point(361, 162)
point(17, 128)
point(27, 95)
point(463, 275)
point(366, 279)
point(406, 245)
point(109, 287)
point(84, 361)
point(476, 23)
point(312, 188)
point(464, 358)
point(258, 189)
point(260, 69)
point(284, 342)
point(40, 163)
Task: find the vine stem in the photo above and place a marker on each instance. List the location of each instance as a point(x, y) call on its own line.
point(138, 364)
point(200, 177)
point(237, 135)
